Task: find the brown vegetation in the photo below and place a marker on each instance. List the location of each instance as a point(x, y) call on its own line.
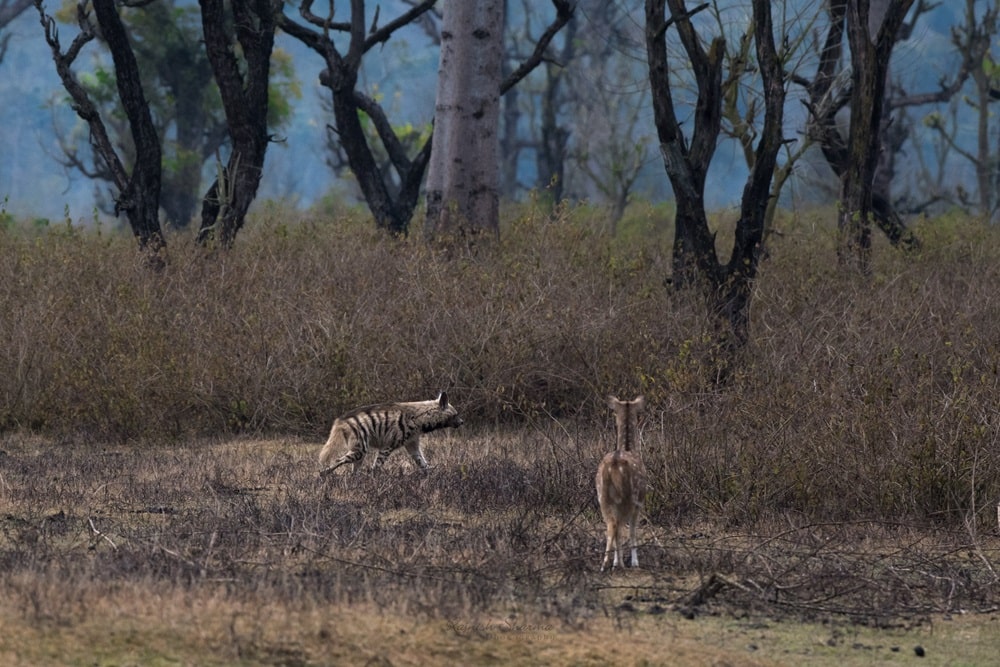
point(845, 465)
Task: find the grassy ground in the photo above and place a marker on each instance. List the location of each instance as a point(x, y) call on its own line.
point(145, 627)
point(233, 553)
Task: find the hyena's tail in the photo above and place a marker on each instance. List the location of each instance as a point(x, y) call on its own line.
point(333, 444)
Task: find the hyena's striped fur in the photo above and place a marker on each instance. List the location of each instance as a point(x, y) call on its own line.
point(386, 427)
point(621, 481)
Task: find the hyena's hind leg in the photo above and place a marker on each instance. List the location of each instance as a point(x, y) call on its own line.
point(355, 456)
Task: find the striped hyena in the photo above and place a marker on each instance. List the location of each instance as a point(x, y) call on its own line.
point(386, 427)
point(621, 481)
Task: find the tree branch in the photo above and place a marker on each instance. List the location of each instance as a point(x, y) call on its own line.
point(564, 12)
point(327, 24)
point(383, 34)
point(393, 147)
point(82, 103)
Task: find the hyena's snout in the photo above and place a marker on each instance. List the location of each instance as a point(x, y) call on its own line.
point(455, 421)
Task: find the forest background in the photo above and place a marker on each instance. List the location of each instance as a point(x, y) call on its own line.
point(602, 104)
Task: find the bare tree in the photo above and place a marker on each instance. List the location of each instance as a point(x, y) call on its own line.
point(139, 189)
point(743, 94)
point(243, 85)
point(183, 99)
point(834, 87)
point(584, 114)
point(553, 141)
point(612, 156)
point(391, 195)
point(391, 207)
point(869, 70)
point(695, 262)
point(973, 40)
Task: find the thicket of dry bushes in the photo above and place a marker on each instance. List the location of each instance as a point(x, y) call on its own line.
point(855, 397)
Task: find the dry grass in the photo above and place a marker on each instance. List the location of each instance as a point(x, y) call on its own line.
point(160, 432)
point(234, 552)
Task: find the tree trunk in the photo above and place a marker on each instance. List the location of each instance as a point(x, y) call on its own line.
point(387, 213)
point(140, 199)
point(870, 64)
point(392, 213)
point(244, 92)
point(183, 69)
point(139, 191)
point(694, 257)
point(825, 101)
point(510, 143)
point(463, 174)
point(695, 263)
point(749, 235)
point(554, 139)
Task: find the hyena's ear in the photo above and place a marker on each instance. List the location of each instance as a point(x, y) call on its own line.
point(443, 400)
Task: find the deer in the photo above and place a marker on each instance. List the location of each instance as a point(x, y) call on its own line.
point(621, 481)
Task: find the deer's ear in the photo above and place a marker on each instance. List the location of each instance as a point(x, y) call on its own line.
point(443, 400)
point(613, 402)
point(640, 402)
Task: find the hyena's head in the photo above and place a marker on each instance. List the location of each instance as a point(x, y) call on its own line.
point(440, 414)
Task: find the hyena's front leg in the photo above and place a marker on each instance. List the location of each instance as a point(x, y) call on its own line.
point(413, 449)
point(383, 454)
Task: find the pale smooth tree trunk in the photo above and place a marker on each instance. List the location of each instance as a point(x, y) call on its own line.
point(463, 201)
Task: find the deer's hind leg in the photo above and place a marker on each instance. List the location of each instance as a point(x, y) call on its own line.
point(613, 544)
point(633, 520)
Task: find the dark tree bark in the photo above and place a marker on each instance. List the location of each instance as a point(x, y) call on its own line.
point(870, 65)
point(510, 143)
point(750, 229)
point(244, 93)
point(552, 150)
point(694, 258)
point(182, 68)
point(138, 191)
point(176, 72)
point(974, 41)
point(695, 262)
point(391, 213)
point(826, 99)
